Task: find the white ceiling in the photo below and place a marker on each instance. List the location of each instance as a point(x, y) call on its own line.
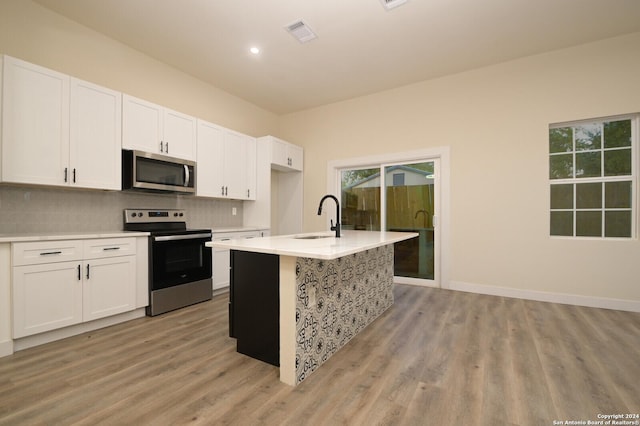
point(361, 47)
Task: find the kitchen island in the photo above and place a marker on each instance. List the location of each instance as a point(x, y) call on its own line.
point(295, 300)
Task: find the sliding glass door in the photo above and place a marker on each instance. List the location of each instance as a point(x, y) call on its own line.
point(397, 197)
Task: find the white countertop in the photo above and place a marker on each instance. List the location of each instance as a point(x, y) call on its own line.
point(321, 248)
point(52, 236)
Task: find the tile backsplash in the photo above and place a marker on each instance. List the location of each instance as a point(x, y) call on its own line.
point(36, 209)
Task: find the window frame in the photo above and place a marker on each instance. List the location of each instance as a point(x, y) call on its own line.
point(574, 181)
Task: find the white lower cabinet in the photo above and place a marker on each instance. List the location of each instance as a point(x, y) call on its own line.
point(222, 257)
point(51, 291)
point(108, 287)
point(46, 297)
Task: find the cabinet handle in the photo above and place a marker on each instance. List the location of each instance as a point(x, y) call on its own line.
point(66, 170)
point(166, 147)
point(74, 175)
point(226, 190)
point(248, 193)
point(79, 276)
point(110, 248)
point(222, 190)
point(161, 146)
point(49, 253)
point(87, 271)
point(187, 176)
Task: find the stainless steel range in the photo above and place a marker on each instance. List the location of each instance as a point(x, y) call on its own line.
point(179, 262)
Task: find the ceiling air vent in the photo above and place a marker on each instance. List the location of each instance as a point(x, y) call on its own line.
point(301, 31)
point(390, 4)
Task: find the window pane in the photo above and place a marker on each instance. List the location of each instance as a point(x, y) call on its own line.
point(588, 136)
point(617, 224)
point(589, 224)
point(617, 162)
point(360, 203)
point(561, 166)
point(617, 134)
point(561, 140)
point(588, 164)
point(562, 196)
point(617, 195)
point(562, 223)
point(589, 195)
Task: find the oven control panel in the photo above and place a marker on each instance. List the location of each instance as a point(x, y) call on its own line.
point(152, 216)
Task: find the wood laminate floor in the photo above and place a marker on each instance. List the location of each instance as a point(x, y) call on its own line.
point(437, 357)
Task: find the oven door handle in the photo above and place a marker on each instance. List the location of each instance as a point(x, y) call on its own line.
point(181, 237)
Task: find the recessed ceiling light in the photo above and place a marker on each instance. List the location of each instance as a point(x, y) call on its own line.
point(255, 50)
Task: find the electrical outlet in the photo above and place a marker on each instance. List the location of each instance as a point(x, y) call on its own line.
point(234, 211)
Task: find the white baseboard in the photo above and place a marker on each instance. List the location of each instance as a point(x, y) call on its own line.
point(62, 333)
point(6, 348)
point(543, 296)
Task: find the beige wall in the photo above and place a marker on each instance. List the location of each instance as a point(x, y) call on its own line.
point(495, 120)
point(35, 34)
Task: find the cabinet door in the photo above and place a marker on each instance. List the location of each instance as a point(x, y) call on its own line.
point(35, 124)
point(46, 297)
point(95, 136)
point(279, 155)
point(235, 166)
point(179, 135)
point(210, 165)
point(296, 157)
point(141, 125)
point(251, 165)
point(221, 271)
point(109, 286)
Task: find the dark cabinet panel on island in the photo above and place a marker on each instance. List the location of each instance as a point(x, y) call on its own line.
point(254, 305)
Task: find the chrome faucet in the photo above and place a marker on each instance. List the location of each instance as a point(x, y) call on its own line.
point(337, 225)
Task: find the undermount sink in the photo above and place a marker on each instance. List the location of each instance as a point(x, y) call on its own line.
point(311, 237)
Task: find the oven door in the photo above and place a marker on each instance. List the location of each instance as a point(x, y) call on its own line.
point(179, 259)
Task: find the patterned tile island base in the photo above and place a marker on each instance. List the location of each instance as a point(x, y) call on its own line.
point(334, 301)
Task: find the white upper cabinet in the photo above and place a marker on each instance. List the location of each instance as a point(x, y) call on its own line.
point(226, 163)
point(179, 135)
point(58, 130)
point(210, 165)
point(152, 128)
point(285, 156)
point(95, 136)
point(35, 124)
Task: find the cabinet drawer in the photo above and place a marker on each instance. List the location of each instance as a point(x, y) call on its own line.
point(109, 247)
point(35, 253)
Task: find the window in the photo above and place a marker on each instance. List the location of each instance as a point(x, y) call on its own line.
point(592, 174)
point(398, 179)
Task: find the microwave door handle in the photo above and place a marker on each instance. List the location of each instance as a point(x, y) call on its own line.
point(187, 176)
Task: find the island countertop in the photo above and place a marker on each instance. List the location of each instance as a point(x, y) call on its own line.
point(316, 245)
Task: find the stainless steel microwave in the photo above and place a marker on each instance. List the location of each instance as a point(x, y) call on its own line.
point(154, 172)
